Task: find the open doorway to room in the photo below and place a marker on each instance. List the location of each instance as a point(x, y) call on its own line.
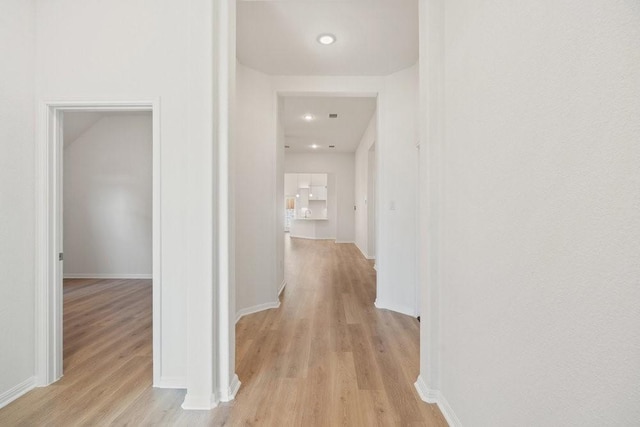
point(99, 249)
point(107, 245)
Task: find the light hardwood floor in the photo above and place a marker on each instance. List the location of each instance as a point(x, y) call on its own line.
point(325, 357)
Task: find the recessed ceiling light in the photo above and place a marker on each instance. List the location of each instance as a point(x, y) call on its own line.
point(326, 39)
point(314, 146)
point(308, 117)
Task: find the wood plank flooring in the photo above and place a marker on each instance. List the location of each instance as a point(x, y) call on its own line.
point(326, 357)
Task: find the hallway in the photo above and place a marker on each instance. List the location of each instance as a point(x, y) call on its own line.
point(325, 357)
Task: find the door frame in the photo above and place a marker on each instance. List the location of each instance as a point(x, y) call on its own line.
point(49, 237)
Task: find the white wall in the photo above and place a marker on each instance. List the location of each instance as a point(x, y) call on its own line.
point(340, 190)
point(396, 243)
point(371, 202)
point(362, 187)
point(162, 51)
point(17, 112)
point(541, 200)
point(280, 159)
point(256, 191)
point(107, 197)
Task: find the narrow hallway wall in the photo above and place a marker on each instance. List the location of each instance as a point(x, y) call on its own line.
point(255, 192)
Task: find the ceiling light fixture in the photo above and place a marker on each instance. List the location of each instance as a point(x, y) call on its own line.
point(326, 39)
point(314, 146)
point(308, 117)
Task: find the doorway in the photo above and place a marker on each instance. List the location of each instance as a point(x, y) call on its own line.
point(107, 239)
point(50, 227)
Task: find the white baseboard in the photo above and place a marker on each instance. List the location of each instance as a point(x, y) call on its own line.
point(199, 403)
point(284, 284)
point(16, 391)
point(344, 242)
point(256, 308)
point(313, 238)
point(435, 396)
point(364, 254)
point(425, 393)
point(398, 309)
point(448, 413)
point(171, 382)
point(106, 276)
point(233, 390)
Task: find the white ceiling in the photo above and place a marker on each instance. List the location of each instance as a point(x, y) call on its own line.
point(344, 132)
point(374, 37)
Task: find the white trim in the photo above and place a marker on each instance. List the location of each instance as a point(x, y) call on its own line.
point(447, 411)
point(431, 135)
point(224, 37)
point(123, 276)
point(233, 389)
point(398, 309)
point(344, 242)
point(48, 325)
point(199, 403)
point(171, 382)
point(16, 391)
point(364, 254)
point(255, 309)
point(48, 236)
point(436, 396)
point(282, 286)
point(426, 394)
point(312, 238)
